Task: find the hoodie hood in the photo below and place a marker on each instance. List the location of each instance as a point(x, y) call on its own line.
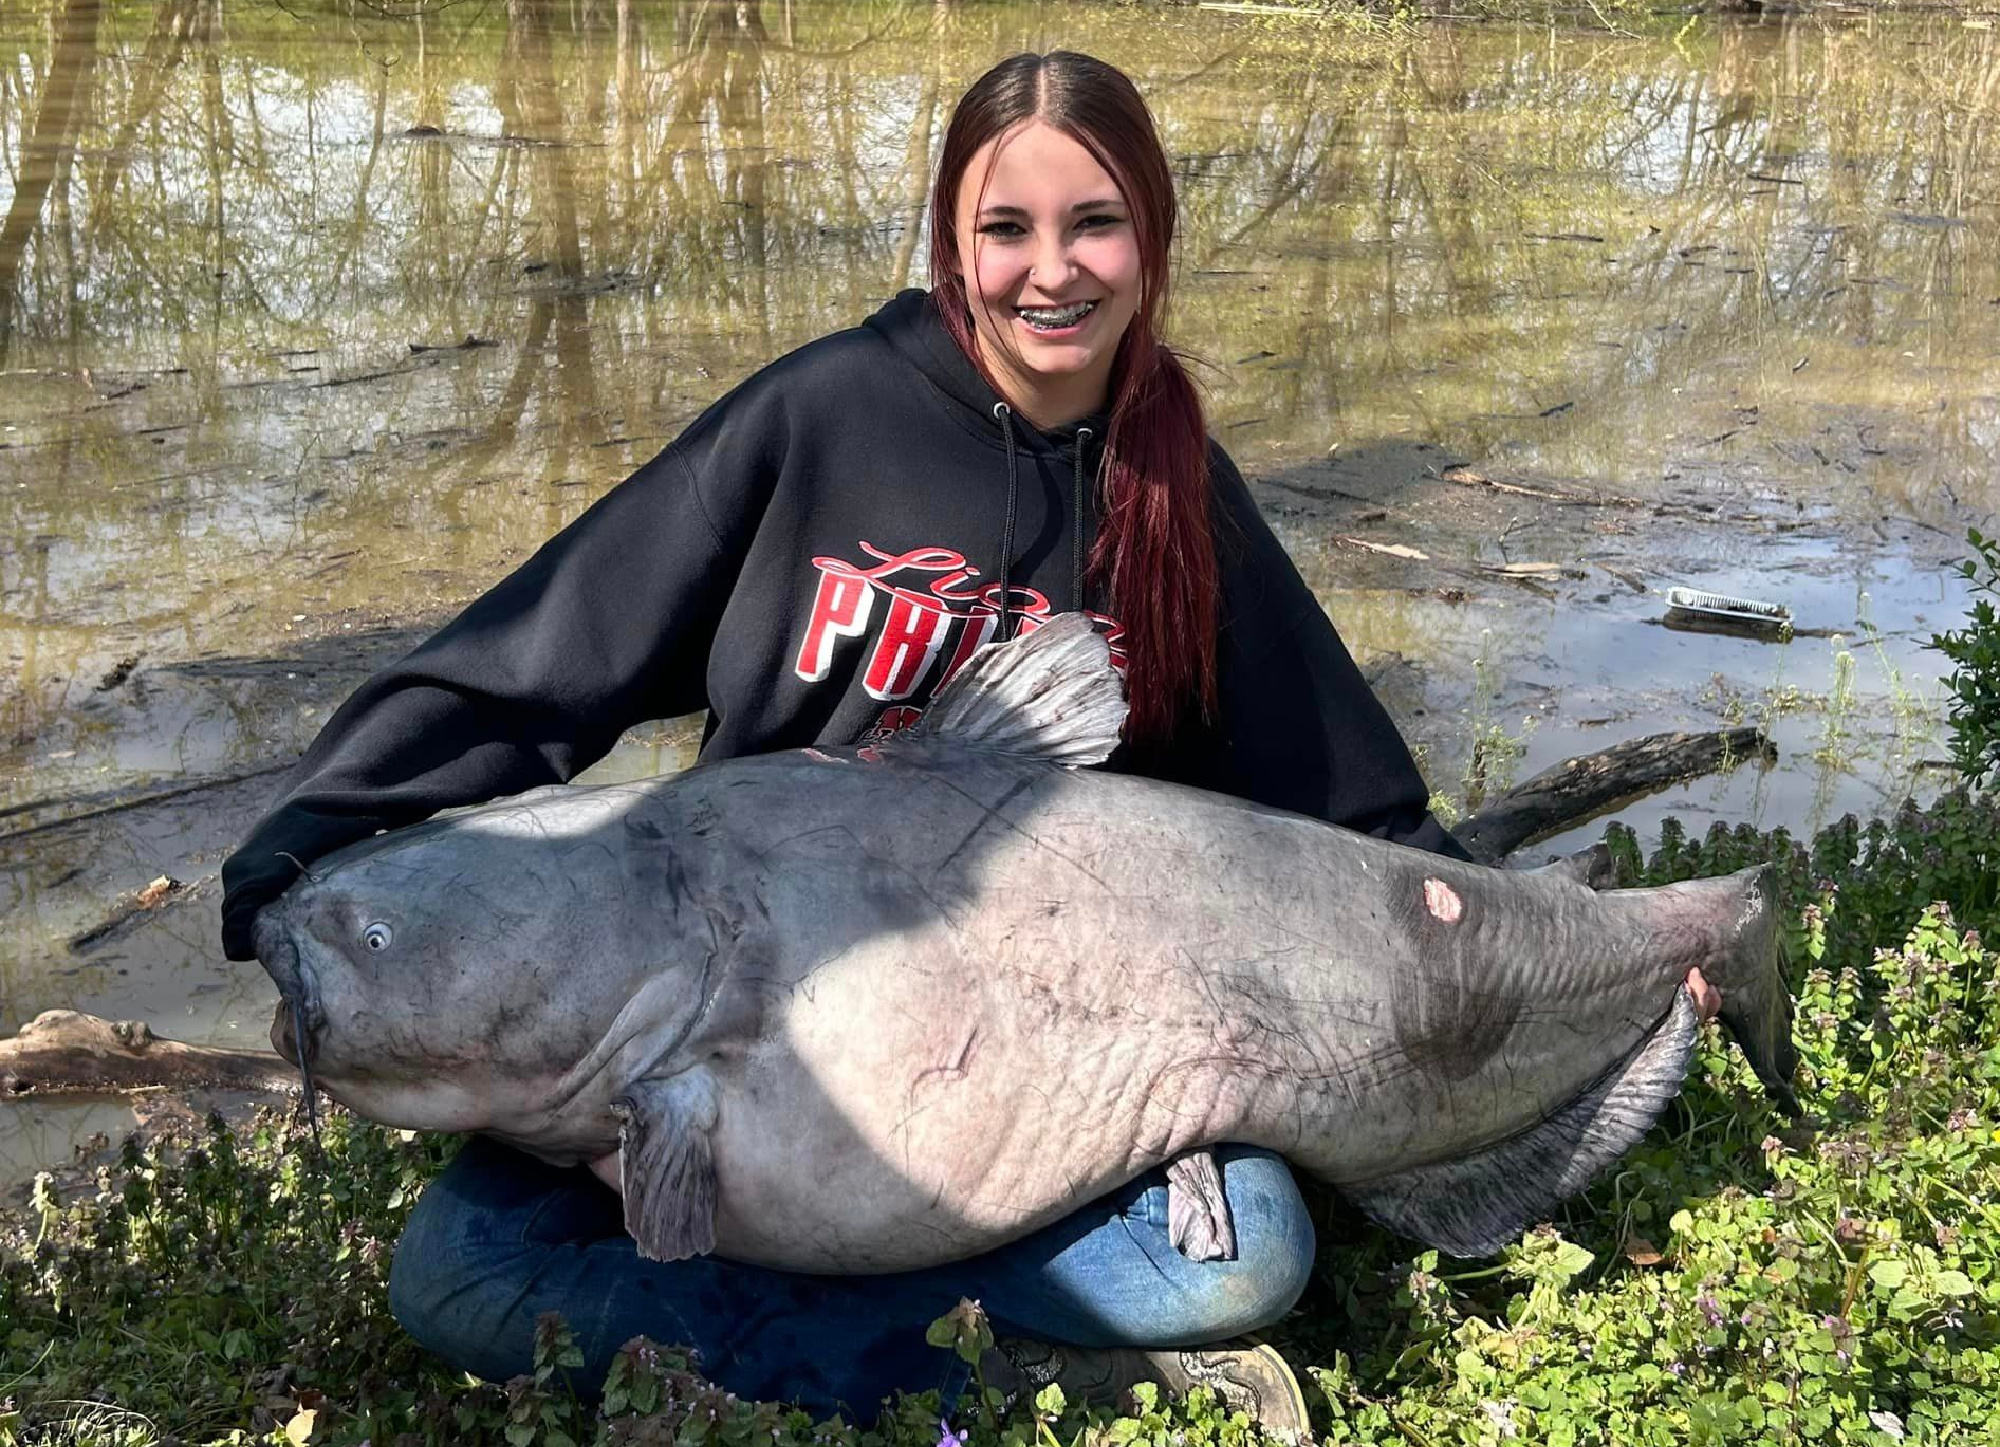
point(910, 322)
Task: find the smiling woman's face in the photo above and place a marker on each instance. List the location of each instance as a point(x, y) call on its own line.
point(1051, 267)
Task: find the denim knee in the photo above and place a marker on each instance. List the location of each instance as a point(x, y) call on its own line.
point(1275, 1252)
point(1123, 1283)
point(473, 1245)
point(428, 1266)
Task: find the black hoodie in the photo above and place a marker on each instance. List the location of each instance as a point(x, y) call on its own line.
point(807, 562)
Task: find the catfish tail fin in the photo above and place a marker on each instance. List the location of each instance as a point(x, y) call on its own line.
point(1756, 1005)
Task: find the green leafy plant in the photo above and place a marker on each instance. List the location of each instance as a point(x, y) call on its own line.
point(1495, 754)
point(1973, 709)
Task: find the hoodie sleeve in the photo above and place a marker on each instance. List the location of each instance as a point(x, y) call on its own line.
point(608, 625)
point(1297, 726)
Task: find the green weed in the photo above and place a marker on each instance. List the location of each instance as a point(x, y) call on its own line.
point(1974, 684)
point(1835, 749)
point(1495, 754)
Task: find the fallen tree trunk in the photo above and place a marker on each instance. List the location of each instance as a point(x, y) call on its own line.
point(66, 1052)
point(1578, 788)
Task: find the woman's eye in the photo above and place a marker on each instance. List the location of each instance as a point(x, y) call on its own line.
point(377, 936)
point(1098, 223)
point(1001, 230)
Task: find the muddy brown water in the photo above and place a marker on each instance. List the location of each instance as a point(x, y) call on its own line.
point(314, 320)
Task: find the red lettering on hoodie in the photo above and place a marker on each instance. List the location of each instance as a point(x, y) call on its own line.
point(978, 631)
point(840, 610)
point(910, 640)
point(917, 624)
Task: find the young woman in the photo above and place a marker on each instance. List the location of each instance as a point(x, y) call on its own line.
point(807, 562)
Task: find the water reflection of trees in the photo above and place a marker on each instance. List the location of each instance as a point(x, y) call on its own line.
point(756, 184)
point(45, 143)
point(640, 202)
point(1796, 180)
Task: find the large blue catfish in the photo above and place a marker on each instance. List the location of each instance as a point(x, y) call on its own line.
point(867, 1009)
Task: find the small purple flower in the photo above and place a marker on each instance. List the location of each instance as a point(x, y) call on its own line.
point(950, 1438)
point(1709, 1308)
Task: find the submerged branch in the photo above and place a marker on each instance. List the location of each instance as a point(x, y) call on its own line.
point(66, 1052)
point(1578, 788)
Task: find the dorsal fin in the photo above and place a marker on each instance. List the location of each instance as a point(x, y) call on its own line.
point(1051, 694)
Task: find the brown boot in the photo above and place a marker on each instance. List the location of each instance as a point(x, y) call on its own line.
point(1247, 1375)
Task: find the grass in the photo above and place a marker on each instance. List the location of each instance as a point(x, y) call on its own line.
point(1495, 755)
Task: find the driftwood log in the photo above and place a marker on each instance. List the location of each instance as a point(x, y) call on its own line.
point(1578, 788)
point(66, 1052)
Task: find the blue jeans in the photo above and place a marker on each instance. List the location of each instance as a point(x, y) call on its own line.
point(500, 1238)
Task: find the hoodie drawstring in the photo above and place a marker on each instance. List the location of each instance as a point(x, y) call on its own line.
point(1004, 415)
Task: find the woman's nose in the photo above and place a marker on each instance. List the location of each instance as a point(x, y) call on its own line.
point(1053, 266)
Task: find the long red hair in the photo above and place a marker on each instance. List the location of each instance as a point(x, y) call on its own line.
point(1155, 547)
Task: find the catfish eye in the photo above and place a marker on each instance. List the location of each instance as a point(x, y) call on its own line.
point(377, 936)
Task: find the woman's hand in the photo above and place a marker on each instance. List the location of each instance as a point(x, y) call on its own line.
point(1707, 999)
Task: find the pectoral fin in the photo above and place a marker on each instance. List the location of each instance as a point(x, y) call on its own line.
point(668, 1173)
point(1197, 1211)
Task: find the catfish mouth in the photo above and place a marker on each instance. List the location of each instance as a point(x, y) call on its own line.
point(291, 1037)
point(298, 1019)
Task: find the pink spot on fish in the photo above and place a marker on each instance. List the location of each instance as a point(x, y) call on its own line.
point(823, 758)
point(1443, 901)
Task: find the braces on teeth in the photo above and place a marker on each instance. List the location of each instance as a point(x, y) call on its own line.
point(1056, 316)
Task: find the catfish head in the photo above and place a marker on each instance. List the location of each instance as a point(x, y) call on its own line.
point(499, 970)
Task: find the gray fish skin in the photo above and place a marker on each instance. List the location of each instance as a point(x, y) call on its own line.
point(882, 1008)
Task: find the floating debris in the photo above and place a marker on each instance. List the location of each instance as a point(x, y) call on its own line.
point(1701, 612)
point(1387, 550)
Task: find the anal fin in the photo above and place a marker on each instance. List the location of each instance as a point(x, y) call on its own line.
point(667, 1166)
point(1473, 1205)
